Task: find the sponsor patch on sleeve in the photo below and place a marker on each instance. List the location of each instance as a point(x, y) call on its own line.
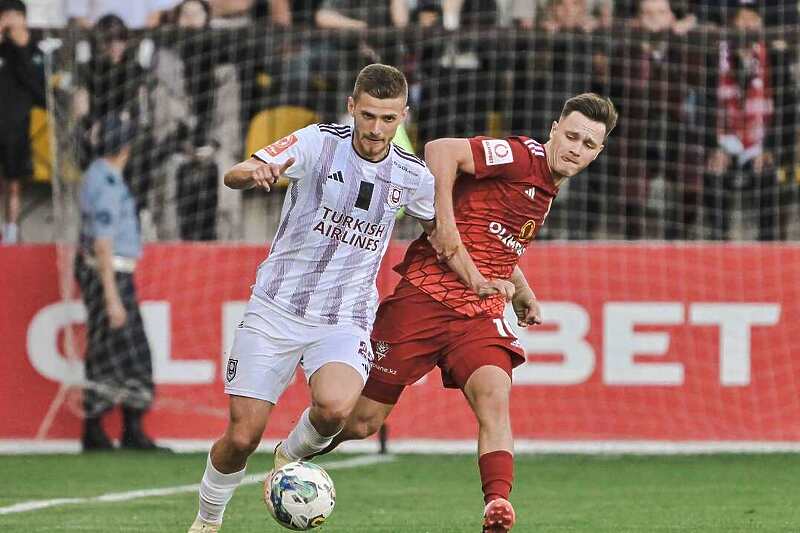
point(281, 145)
point(497, 152)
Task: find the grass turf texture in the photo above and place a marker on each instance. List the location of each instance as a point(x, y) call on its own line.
point(597, 494)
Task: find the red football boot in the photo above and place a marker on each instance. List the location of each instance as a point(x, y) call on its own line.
point(498, 516)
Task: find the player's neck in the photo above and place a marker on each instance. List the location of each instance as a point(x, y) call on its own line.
point(558, 179)
point(375, 158)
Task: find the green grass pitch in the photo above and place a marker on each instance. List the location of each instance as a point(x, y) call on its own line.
point(419, 494)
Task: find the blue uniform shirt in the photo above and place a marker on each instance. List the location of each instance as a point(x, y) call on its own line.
point(108, 210)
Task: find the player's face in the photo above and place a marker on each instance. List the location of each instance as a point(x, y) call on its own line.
point(575, 142)
point(376, 121)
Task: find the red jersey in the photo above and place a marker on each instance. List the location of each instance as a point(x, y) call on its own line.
point(498, 211)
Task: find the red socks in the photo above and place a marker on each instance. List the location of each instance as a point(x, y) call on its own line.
point(497, 473)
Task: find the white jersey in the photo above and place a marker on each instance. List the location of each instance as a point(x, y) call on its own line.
point(336, 223)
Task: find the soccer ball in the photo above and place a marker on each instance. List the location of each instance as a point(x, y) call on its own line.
point(300, 496)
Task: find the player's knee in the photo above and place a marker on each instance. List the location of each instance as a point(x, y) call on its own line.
point(243, 443)
point(491, 405)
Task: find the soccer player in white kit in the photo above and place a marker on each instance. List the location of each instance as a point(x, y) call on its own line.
point(314, 299)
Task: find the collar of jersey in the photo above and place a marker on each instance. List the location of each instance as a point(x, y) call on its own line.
point(353, 146)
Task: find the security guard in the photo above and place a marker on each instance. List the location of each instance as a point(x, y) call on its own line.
point(118, 363)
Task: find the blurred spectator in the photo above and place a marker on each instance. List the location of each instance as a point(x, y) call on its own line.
point(658, 86)
point(773, 12)
point(362, 14)
point(21, 87)
point(741, 167)
point(304, 12)
point(587, 14)
point(458, 82)
point(118, 362)
point(184, 100)
point(111, 76)
point(240, 13)
point(135, 14)
point(551, 66)
point(682, 16)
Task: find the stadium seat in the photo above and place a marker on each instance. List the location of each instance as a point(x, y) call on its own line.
point(40, 145)
point(275, 123)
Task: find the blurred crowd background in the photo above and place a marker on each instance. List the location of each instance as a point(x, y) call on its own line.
point(706, 147)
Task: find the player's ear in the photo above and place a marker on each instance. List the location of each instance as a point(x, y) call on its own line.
point(351, 106)
point(404, 114)
point(553, 127)
point(598, 151)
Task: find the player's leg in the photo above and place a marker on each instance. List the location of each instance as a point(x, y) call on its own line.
point(488, 390)
point(372, 409)
point(261, 365)
point(225, 467)
point(482, 369)
point(335, 389)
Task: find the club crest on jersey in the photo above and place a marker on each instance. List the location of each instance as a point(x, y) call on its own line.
point(281, 145)
point(231, 372)
point(395, 196)
point(526, 233)
point(381, 349)
point(497, 152)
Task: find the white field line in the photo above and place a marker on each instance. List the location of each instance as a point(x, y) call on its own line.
point(438, 446)
point(35, 505)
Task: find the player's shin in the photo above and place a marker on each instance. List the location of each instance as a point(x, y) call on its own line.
point(305, 440)
point(497, 474)
point(216, 490)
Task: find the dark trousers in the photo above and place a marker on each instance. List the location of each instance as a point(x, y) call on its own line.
point(118, 362)
point(757, 195)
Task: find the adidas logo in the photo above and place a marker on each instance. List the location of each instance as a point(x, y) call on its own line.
point(531, 193)
point(336, 176)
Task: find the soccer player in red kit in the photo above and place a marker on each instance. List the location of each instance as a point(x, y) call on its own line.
point(492, 197)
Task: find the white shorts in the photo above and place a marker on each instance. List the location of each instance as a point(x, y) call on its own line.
point(270, 342)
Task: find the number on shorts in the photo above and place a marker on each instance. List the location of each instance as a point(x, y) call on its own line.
point(503, 327)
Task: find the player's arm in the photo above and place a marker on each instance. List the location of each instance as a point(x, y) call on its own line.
point(445, 159)
point(462, 264)
point(524, 301)
point(255, 173)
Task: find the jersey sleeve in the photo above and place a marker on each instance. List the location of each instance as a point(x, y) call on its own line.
point(303, 145)
point(421, 204)
point(508, 157)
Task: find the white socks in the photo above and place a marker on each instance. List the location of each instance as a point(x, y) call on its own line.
point(304, 440)
point(216, 490)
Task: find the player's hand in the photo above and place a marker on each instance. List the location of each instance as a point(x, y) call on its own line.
point(267, 174)
point(445, 241)
point(492, 287)
point(527, 309)
point(116, 314)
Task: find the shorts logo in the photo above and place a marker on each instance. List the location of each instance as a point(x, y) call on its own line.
point(395, 196)
point(231, 372)
point(497, 152)
point(281, 145)
point(381, 349)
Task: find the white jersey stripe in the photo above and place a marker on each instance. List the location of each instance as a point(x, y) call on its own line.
point(306, 216)
point(308, 282)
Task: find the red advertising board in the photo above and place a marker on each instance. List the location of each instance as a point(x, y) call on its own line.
point(641, 341)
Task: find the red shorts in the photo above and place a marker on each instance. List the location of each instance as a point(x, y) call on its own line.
point(413, 333)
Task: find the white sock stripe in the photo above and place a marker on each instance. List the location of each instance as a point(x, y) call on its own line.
point(33, 505)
